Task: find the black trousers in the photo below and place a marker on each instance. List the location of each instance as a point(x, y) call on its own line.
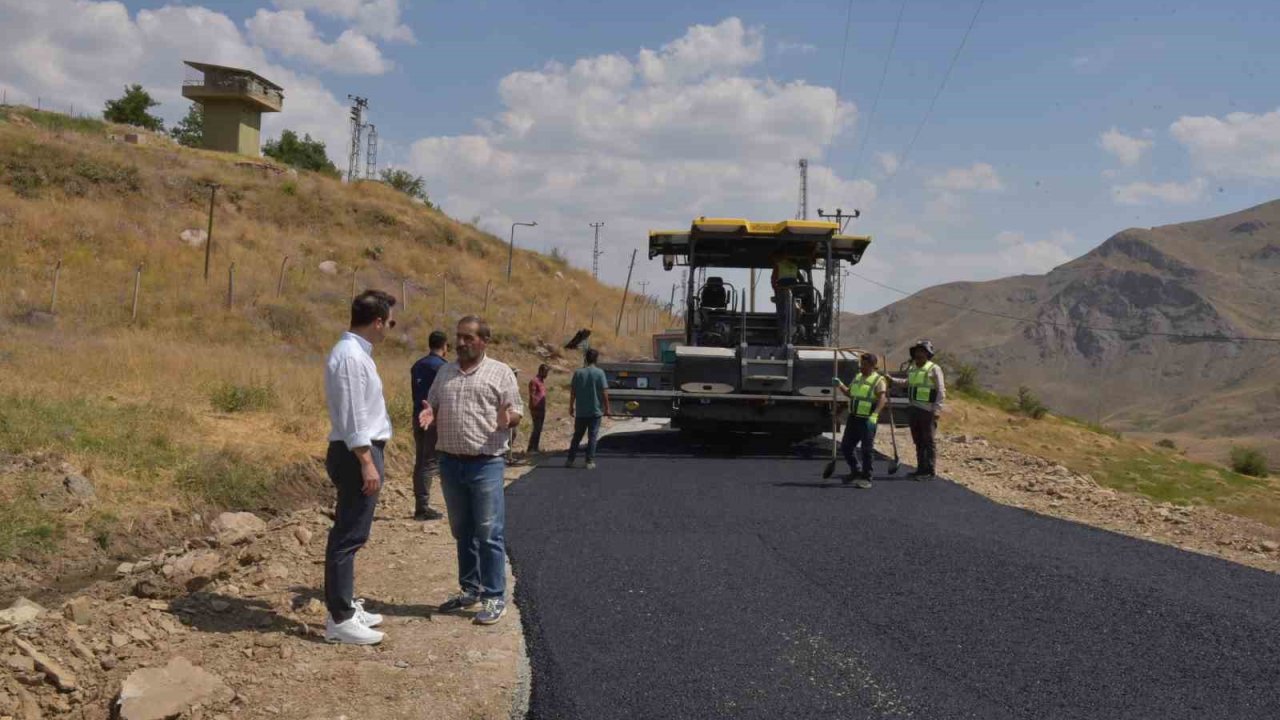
point(924, 426)
point(352, 521)
point(426, 465)
point(535, 436)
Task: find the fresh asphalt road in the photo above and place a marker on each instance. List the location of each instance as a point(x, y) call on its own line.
point(739, 584)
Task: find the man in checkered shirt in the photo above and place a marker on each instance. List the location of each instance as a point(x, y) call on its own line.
point(475, 403)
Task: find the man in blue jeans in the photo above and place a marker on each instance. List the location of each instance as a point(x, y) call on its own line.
point(588, 403)
point(474, 403)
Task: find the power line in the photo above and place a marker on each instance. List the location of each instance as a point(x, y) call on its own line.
point(1075, 325)
point(844, 53)
point(902, 161)
point(875, 103)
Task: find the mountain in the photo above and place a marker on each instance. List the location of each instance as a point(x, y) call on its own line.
point(1218, 277)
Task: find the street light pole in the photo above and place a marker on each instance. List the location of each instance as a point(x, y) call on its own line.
point(511, 250)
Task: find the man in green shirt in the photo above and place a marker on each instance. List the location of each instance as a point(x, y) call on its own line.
point(588, 403)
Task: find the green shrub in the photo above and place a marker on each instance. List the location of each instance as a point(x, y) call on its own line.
point(289, 322)
point(1029, 404)
point(289, 187)
point(226, 479)
point(26, 526)
point(232, 398)
point(1249, 461)
point(1166, 443)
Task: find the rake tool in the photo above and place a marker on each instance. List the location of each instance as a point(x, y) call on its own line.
point(893, 433)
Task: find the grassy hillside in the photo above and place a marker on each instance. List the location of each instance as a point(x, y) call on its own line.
point(196, 405)
point(1162, 474)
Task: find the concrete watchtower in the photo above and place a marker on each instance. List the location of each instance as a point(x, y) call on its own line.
point(233, 101)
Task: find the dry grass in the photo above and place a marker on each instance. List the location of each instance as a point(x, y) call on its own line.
point(1161, 474)
point(196, 405)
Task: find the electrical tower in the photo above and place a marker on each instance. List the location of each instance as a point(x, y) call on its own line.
point(803, 212)
point(595, 251)
point(358, 106)
point(371, 154)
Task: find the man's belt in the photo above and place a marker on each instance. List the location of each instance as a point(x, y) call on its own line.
point(469, 458)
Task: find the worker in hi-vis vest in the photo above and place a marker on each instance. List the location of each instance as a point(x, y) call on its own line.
point(867, 397)
point(926, 392)
point(786, 274)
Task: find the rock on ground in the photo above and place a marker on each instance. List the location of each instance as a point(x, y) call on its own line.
point(231, 528)
point(21, 612)
point(158, 693)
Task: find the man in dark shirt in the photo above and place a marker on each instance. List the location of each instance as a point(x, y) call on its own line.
point(538, 406)
point(425, 464)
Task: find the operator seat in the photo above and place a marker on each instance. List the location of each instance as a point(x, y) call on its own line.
point(714, 294)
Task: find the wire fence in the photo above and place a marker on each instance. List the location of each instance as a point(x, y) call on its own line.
point(10, 97)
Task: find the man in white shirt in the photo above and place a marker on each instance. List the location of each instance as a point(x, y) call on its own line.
point(360, 431)
point(475, 403)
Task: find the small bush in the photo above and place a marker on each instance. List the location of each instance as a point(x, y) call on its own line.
point(1166, 443)
point(289, 322)
point(26, 526)
point(558, 257)
point(232, 398)
point(226, 479)
point(289, 187)
point(1029, 404)
point(966, 378)
point(1249, 461)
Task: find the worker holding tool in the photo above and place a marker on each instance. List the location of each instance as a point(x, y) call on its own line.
point(926, 391)
point(867, 397)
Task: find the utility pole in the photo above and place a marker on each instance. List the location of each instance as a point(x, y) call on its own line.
point(358, 106)
point(595, 251)
point(511, 250)
point(803, 212)
point(644, 285)
point(617, 328)
point(835, 280)
point(371, 154)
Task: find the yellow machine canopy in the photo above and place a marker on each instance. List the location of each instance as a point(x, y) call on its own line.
point(738, 243)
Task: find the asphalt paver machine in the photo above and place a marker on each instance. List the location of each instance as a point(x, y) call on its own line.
point(735, 368)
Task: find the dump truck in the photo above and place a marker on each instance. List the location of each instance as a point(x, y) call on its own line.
point(733, 367)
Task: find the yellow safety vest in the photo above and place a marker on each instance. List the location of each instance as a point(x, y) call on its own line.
point(863, 394)
point(788, 270)
point(920, 385)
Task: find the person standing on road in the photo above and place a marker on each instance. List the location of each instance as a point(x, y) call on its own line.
point(426, 466)
point(926, 392)
point(588, 404)
point(538, 406)
point(360, 429)
point(867, 397)
point(476, 403)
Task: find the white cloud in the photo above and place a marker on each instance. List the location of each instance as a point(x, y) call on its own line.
point(704, 49)
point(291, 34)
point(1240, 145)
point(1172, 193)
point(647, 140)
point(1013, 254)
point(888, 162)
point(375, 18)
point(979, 176)
point(1126, 148)
point(83, 52)
point(785, 47)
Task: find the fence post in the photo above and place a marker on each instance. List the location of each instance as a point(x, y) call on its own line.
point(231, 285)
point(53, 298)
point(625, 289)
point(208, 239)
point(280, 282)
point(137, 286)
point(404, 295)
point(564, 323)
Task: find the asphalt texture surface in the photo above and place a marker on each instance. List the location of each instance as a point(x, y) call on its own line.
point(673, 582)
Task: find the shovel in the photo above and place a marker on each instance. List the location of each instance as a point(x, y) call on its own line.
point(893, 435)
point(830, 468)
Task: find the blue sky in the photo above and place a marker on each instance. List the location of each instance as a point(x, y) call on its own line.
point(1060, 124)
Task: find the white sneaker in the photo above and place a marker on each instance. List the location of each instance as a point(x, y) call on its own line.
point(350, 632)
point(367, 619)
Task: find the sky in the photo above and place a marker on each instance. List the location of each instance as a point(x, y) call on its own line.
point(1058, 125)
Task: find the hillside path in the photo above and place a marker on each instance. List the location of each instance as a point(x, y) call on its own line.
point(663, 585)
